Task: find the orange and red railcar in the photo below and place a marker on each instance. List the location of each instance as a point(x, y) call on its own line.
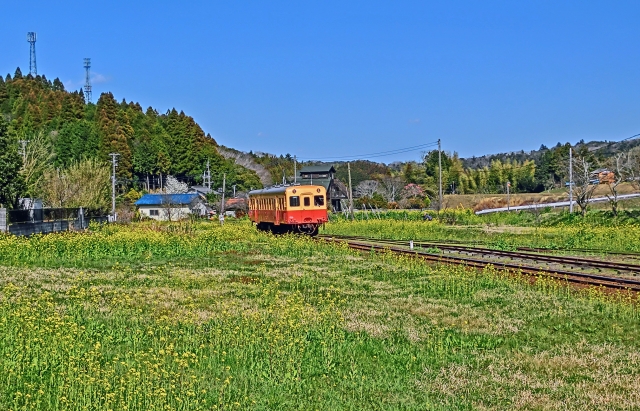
point(297, 208)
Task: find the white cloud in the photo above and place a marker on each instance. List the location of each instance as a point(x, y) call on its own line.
point(96, 78)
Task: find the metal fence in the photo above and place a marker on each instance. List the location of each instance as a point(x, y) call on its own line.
point(50, 220)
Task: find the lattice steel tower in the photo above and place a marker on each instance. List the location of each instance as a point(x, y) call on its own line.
point(87, 80)
point(31, 38)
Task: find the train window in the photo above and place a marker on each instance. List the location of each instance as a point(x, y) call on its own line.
point(307, 201)
point(318, 201)
point(294, 201)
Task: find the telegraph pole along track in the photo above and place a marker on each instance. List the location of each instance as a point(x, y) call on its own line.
point(551, 266)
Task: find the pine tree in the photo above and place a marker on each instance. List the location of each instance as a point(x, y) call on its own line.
point(11, 182)
point(57, 85)
point(114, 132)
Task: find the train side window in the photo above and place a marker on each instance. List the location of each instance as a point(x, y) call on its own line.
point(307, 201)
point(294, 201)
point(318, 201)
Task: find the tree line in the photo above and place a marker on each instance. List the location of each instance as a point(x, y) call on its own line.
point(57, 133)
point(413, 184)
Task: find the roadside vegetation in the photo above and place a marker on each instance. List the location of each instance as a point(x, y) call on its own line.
point(198, 316)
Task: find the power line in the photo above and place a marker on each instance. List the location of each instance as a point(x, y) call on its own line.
point(378, 154)
point(629, 138)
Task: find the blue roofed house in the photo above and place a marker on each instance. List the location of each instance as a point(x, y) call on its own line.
point(171, 207)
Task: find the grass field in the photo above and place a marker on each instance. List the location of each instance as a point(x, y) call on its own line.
point(189, 317)
point(504, 231)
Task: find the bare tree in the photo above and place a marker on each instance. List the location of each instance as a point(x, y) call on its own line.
point(583, 185)
point(631, 167)
point(390, 188)
point(366, 188)
point(169, 209)
point(617, 168)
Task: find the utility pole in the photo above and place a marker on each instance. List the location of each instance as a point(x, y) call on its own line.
point(350, 191)
point(295, 170)
point(508, 198)
point(23, 143)
point(224, 186)
point(234, 191)
point(207, 176)
point(570, 180)
point(114, 162)
point(439, 176)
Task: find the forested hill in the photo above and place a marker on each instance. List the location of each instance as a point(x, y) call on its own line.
point(603, 149)
point(149, 143)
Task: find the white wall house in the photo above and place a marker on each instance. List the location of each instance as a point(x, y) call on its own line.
point(170, 207)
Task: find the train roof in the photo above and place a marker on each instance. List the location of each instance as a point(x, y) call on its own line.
point(283, 189)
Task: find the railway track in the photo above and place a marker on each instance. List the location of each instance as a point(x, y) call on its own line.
point(580, 278)
point(526, 254)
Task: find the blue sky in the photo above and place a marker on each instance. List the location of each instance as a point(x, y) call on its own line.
point(339, 78)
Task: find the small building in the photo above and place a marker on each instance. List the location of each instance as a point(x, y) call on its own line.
point(237, 204)
point(171, 207)
point(325, 176)
point(603, 176)
point(200, 190)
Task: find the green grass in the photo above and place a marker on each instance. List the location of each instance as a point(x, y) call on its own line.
point(202, 317)
point(578, 234)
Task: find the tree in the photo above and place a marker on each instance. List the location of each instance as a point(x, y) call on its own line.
point(38, 160)
point(11, 181)
point(115, 133)
point(413, 196)
point(366, 188)
point(173, 186)
point(616, 166)
point(390, 188)
point(631, 166)
point(582, 183)
point(431, 163)
point(83, 184)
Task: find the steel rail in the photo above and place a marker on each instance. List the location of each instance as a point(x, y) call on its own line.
point(564, 260)
point(481, 243)
point(573, 277)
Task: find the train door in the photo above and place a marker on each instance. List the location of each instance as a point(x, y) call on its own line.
point(306, 202)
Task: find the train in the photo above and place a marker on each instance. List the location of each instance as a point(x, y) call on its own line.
point(289, 209)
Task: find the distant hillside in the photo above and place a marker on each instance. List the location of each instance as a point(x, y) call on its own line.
point(524, 172)
point(602, 149)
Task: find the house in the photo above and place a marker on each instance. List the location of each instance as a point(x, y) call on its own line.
point(200, 190)
point(325, 176)
point(171, 207)
point(602, 176)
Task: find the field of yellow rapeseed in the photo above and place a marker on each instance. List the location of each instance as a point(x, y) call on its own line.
point(201, 317)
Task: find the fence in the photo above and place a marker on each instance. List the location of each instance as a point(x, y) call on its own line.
point(3, 220)
point(48, 220)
